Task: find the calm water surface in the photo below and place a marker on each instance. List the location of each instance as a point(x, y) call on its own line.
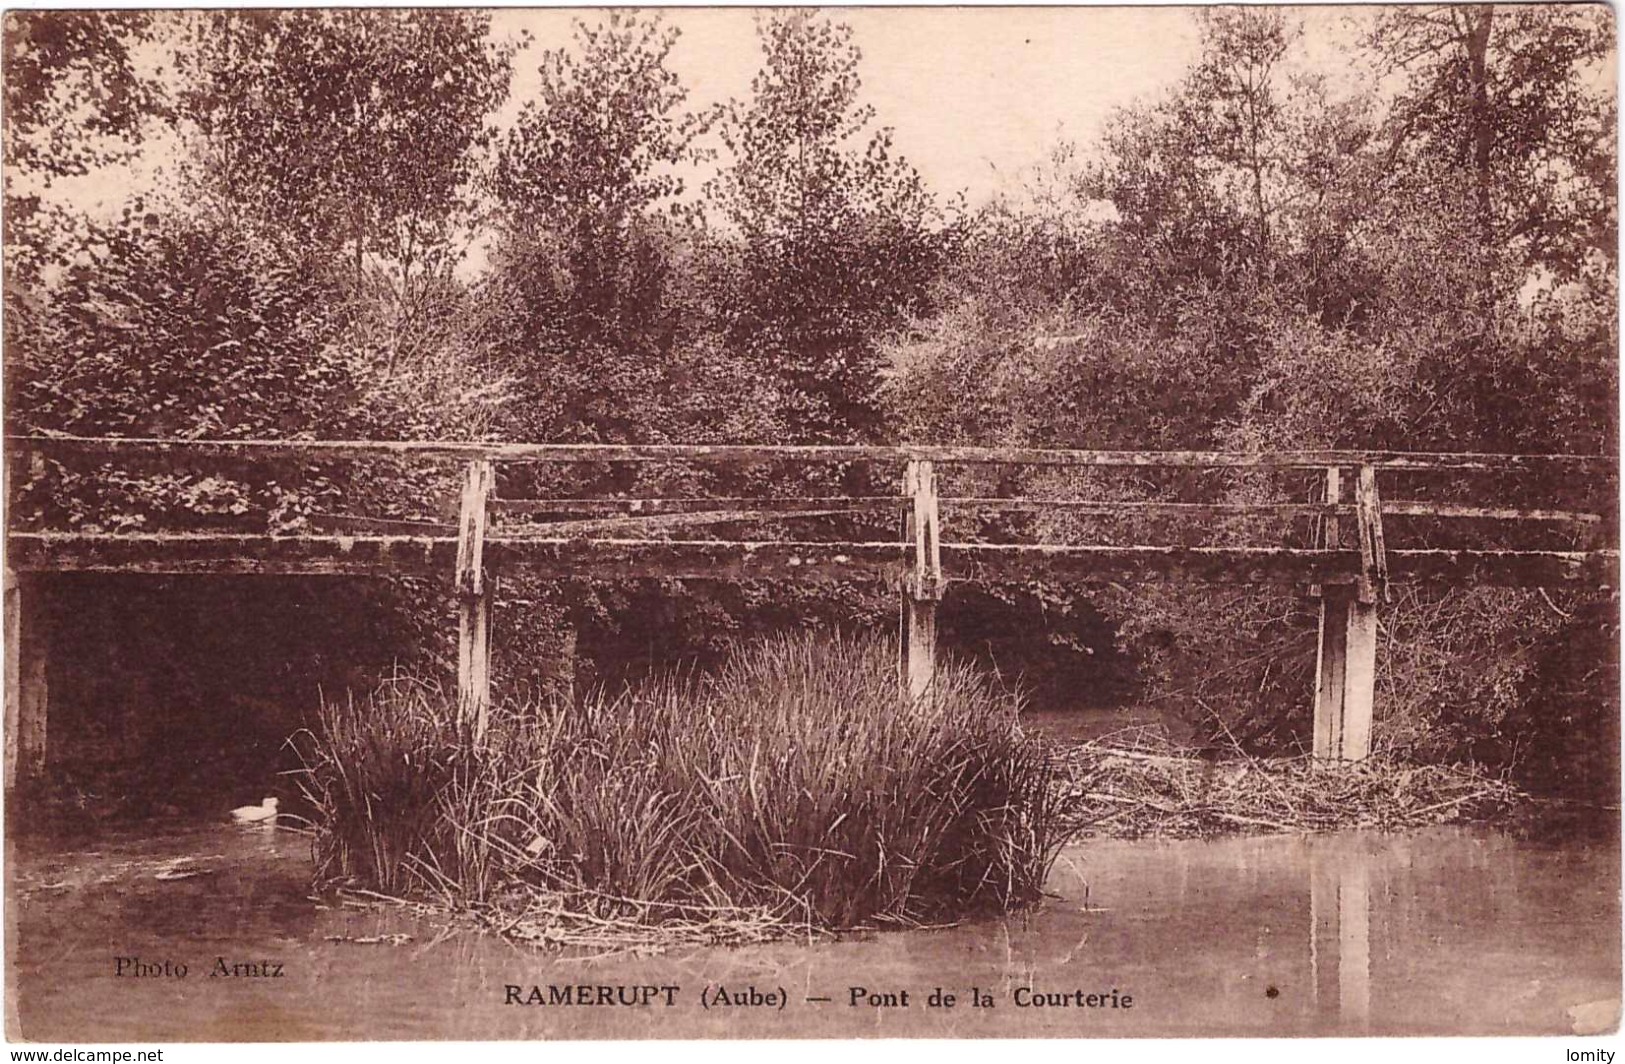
point(1450, 931)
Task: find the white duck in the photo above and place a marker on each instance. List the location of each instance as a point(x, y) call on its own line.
point(254, 814)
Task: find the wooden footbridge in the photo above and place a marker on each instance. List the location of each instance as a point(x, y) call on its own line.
point(1336, 538)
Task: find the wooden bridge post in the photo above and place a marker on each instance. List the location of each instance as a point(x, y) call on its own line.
point(26, 691)
point(923, 586)
point(474, 601)
point(1346, 663)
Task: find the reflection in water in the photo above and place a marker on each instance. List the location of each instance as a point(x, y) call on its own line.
point(1340, 934)
point(1445, 931)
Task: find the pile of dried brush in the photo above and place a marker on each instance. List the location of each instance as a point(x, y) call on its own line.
point(1136, 783)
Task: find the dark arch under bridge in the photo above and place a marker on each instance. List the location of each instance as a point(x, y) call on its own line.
point(1341, 555)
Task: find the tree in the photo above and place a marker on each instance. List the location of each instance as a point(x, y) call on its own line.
point(1501, 105)
point(355, 130)
point(74, 96)
point(1493, 203)
point(1239, 113)
point(589, 186)
point(358, 136)
point(75, 100)
point(837, 236)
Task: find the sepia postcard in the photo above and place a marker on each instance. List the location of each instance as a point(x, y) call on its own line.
point(811, 523)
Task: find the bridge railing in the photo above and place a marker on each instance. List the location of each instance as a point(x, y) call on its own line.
point(410, 519)
point(449, 507)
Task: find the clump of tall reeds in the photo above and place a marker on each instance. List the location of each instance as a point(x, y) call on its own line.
point(797, 784)
point(377, 772)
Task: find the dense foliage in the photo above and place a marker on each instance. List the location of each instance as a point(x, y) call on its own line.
point(360, 237)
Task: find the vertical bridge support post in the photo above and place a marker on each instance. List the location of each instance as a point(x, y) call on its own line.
point(1346, 665)
point(923, 585)
point(474, 601)
point(26, 694)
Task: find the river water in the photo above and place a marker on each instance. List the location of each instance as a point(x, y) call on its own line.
point(1444, 931)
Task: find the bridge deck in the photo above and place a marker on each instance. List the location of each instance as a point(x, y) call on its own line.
point(742, 560)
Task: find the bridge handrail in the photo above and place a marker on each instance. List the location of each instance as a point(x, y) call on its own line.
point(1349, 567)
point(723, 453)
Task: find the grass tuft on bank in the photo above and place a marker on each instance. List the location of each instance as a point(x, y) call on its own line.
point(794, 788)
